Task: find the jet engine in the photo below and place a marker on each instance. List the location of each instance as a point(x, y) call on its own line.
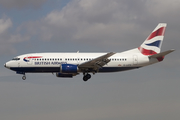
point(68, 68)
point(64, 75)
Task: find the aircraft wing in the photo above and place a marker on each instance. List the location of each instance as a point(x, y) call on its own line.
point(96, 63)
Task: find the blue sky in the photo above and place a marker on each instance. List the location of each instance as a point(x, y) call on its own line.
point(89, 26)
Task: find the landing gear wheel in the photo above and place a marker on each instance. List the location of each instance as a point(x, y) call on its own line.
point(24, 77)
point(86, 77)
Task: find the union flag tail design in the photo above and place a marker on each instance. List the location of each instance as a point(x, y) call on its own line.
point(152, 45)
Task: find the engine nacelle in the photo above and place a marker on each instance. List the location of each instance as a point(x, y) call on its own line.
point(64, 75)
point(68, 68)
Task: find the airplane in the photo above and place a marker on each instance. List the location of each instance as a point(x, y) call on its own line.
point(67, 65)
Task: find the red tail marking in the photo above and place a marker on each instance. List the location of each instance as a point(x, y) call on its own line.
point(146, 52)
point(159, 32)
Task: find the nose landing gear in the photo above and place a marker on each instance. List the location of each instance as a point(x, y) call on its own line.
point(24, 77)
point(23, 73)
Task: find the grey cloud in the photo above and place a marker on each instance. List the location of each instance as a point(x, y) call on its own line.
point(107, 23)
point(8, 39)
point(82, 21)
point(96, 20)
point(5, 24)
point(19, 4)
point(104, 22)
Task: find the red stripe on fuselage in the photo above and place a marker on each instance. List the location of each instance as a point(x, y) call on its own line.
point(34, 57)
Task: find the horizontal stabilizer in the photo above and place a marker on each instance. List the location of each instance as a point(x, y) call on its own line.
point(162, 54)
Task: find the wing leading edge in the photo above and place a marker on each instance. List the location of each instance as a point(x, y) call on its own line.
point(96, 63)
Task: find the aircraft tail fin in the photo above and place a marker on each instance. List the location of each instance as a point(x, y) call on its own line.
point(152, 45)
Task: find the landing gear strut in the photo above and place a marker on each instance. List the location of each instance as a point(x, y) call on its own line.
point(24, 76)
point(86, 77)
point(22, 73)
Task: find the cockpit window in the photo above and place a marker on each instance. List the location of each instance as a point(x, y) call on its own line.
point(16, 59)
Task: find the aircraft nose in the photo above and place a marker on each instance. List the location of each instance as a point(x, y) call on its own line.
point(7, 65)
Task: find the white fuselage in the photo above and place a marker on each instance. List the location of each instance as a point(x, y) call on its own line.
point(51, 62)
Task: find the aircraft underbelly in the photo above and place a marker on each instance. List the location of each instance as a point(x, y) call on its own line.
point(56, 69)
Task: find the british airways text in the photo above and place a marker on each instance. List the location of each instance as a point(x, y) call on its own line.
point(49, 63)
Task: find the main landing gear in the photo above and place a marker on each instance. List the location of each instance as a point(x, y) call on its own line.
point(86, 77)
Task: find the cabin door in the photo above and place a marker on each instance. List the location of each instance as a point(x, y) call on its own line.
point(135, 59)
